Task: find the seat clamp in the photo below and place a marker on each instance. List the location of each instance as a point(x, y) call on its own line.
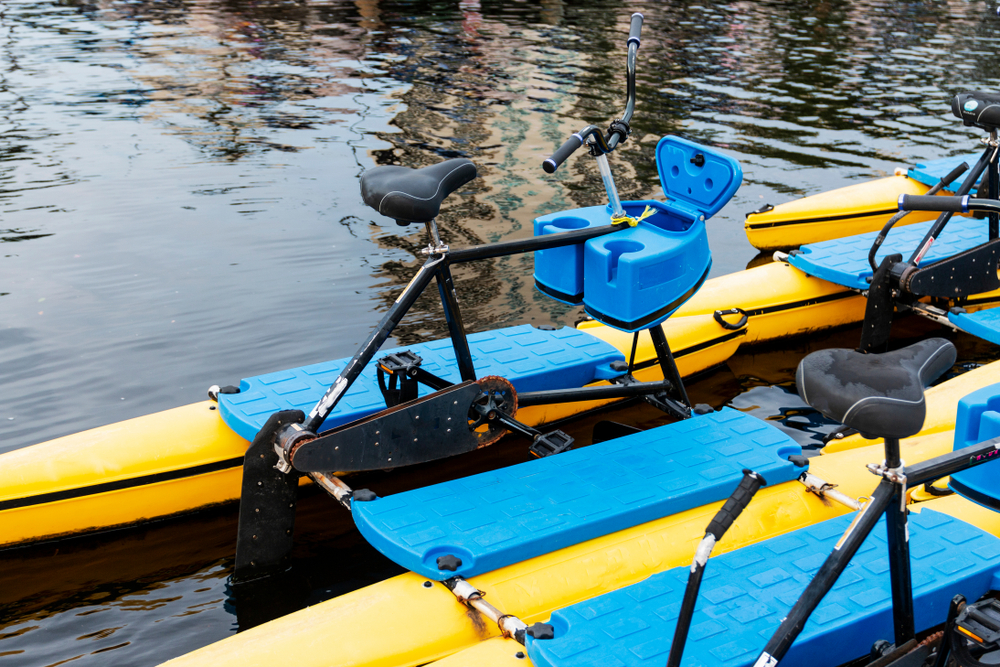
point(432, 249)
point(895, 475)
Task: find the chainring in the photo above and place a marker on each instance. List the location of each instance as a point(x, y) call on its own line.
point(497, 394)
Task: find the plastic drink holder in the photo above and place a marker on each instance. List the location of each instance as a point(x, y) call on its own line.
point(635, 278)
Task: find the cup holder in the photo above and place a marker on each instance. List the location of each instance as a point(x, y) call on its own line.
point(615, 251)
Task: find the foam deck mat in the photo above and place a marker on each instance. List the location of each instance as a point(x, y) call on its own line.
point(746, 593)
point(845, 261)
point(506, 516)
point(983, 323)
point(532, 359)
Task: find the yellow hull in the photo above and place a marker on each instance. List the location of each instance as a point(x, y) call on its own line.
point(855, 209)
point(185, 459)
point(399, 622)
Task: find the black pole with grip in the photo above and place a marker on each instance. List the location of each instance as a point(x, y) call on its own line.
point(733, 507)
point(937, 187)
point(562, 153)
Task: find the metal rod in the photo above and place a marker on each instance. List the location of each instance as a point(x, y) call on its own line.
point(900, 576)
point(353, 369)
point(335, 487)
point(938, 226)
point(994, 186)
point(530, 244)
point(667, 363)
point(469, 595)
point(824, 489)
point(609, 185)
point(456, 328)
point(886, 494)
point(631, 356)
point(591, 393)
point(823, 581)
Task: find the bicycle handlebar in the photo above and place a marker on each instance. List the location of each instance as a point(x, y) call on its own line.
point(619, 129)
point(634, 29)
point(947, 204)
point(552, 163)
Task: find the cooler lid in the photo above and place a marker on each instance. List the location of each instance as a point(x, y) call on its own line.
point(699, 178)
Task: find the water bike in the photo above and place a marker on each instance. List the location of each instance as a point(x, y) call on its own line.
point(411, 405)
point(909, 579)
point(189, 458)
point(868, 206)
point(582, 558)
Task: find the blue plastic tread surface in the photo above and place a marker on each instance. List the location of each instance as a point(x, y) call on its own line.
point(506, 516)
point(932, 171)
point(845, 261)
point(532, 359)
point(983, 323)
point(746, 593)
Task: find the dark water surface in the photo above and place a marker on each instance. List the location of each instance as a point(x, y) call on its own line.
point(179, 207)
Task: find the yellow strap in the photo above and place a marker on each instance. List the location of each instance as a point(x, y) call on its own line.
point(632, 222)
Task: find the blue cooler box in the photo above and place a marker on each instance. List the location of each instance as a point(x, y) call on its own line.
point(635, 278)
point(978, 419)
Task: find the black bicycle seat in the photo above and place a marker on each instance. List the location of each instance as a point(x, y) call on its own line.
point(978, 109)
point(414, 195)
point(880, 395)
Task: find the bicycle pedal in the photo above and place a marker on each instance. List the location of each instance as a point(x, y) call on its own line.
point(400, 362)
point(548, 444)
point(980, 622)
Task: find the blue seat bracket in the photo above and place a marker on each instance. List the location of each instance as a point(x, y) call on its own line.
point(494, 519)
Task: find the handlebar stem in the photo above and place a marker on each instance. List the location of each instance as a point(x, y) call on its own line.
point(609, 185)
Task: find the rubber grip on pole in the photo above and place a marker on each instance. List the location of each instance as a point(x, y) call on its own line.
point(562, 153)
point(933, 203)
point(952, 176)
point(635, 29)
point(736, 503)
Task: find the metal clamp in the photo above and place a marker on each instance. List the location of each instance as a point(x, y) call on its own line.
point(432, 249)
point(510, 626)
point(894, 475)
point(286, 442)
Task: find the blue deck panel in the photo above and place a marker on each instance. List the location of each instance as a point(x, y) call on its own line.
point(532, 359)
point(506, 516)
point(983, 323)
point(932, 171)
point(746, 593)
point(845, 261)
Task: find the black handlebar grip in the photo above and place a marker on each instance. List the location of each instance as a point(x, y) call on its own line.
point(635, 29)
point(562, 153)
point(934, 203)
point(737, 502)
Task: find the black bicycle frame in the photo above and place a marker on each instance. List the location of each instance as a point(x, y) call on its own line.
point(887, 499)
point(438, 266)
point(987, 159)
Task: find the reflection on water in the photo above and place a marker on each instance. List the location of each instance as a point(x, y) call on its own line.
point(179, 207)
